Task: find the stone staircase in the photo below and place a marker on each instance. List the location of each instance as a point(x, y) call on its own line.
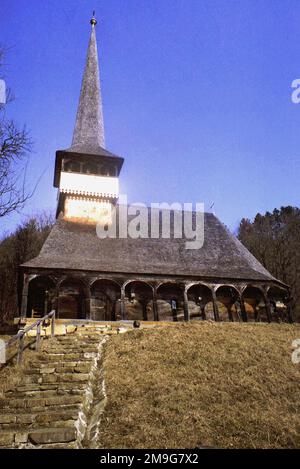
point(59, 397)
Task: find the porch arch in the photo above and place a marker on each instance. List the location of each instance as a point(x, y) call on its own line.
point(228, 300)
point(170, 302)
point(139, 300)
point(255, 304)
point(41, 296)
point(72, 295)
point(200, 302)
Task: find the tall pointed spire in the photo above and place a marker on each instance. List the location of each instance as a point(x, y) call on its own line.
point(89, 127)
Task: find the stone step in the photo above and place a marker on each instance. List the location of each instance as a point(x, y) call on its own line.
point(31, 403)
point(55, 378)
point(62, 359)
point(37, 394)
point(71, 346)
point(78, 356)
point(37, 409)
point(85, 342)
point(78, 339)
point(20, 428)
point(58, 368)
point(38, 436)
point(65, 378)
point(70, 350)
point(65, 364)
point(58, 423)
point(47, 387)
point(11, 418)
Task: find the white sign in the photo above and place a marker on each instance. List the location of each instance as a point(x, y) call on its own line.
point(296, 352)
point(2, 351)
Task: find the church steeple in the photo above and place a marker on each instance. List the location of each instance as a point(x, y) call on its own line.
point(89, 127)
point(86, 174)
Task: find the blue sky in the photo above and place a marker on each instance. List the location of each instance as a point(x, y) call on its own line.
point(196, 93)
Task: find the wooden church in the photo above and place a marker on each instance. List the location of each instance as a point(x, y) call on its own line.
point(85, 277)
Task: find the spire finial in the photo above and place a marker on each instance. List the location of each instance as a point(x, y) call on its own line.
point(93, 19)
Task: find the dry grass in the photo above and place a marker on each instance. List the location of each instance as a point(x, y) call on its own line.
point(11, 374)
point(220, 384)
point(8, 373)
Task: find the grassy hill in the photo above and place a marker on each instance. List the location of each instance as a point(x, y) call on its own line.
point(215, 384)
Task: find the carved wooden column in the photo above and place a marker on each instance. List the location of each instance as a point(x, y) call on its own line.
point(289, 305)
point(215, 305)
point(87, 304)
point(113, 310)
point(202, 311)
point(155, 308)
point(243, 309)
point(268, 307)
point(145, 312)
point(122, 303)
point(186, 306)
point(46, 303)
point(229, 312)
point(56, 305)
point(24, 295)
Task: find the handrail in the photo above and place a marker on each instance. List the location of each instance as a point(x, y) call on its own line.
point(21, 335)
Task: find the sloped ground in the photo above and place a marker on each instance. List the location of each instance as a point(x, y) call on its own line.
point(166, 386)
point(216, 384)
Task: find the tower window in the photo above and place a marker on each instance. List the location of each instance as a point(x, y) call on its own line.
point(108, 170)
point(73, 166)
point(89, 168)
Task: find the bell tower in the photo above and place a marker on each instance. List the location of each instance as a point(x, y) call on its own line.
point(86, 174)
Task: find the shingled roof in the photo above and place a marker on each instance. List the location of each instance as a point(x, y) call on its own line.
point(75, 246)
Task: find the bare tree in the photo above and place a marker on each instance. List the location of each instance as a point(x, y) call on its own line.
point(15, 145)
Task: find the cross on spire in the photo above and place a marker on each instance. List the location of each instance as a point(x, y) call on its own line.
point(93, 19)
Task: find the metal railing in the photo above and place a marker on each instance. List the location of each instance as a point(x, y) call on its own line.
point(20, 338)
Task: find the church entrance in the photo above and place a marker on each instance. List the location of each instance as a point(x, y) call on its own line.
point(71, 299)
point(228, 304)
point(139, 301)
point(105, 296)
point(170, 302)
point(41, 296)
point(200, 302)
